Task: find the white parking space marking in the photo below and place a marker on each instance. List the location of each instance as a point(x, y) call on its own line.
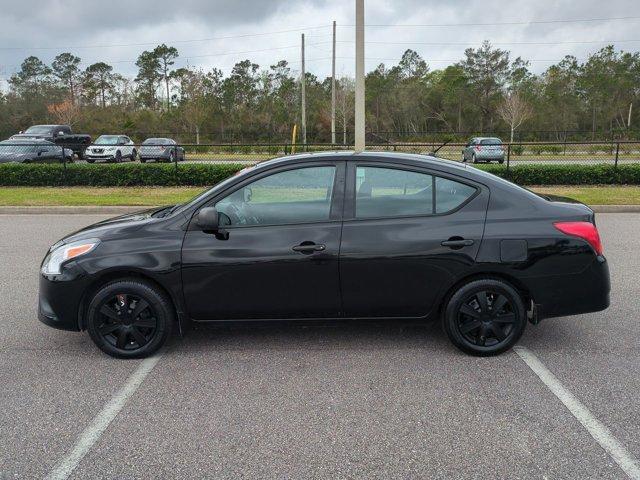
point(596, 429)
point(92, 433)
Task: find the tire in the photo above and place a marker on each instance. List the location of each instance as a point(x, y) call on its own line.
point(117, 330)
point(118, 157)
point(134, 154)
point(80, 154)
point(473, 158)
point(172, 158)
point(474, 327)
point(501, 161)
point(143, 160)
point(90, 160)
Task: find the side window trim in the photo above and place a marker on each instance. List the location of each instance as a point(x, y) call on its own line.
point(337, 195)
point(350, 189)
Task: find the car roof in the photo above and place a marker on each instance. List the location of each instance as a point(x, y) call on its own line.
point(373, 156)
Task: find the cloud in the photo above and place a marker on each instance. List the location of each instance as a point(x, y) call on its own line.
point(118, 31)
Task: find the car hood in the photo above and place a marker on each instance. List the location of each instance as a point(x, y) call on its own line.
point(112, 226)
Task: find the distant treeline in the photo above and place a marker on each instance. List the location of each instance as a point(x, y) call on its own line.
point(486, 92)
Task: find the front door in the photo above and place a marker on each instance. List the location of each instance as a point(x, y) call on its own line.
point(407, 234)
point(279, 255)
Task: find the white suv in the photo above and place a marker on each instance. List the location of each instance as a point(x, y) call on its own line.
point(112, 148)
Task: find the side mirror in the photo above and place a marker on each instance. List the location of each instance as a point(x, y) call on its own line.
point(208, 219)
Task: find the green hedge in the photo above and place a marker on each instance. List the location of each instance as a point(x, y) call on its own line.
point(568, 174)
point(135, 174)
point(108, 175)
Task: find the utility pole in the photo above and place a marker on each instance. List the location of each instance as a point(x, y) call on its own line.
point(359, 96)
point(333, 87)
point(303, 107)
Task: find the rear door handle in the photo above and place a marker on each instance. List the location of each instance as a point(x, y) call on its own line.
point(309, 247)
point(457, 243)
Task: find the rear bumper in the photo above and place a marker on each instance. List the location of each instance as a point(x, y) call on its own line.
point(563, 295)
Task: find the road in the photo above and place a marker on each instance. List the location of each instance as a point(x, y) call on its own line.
point(369, 401)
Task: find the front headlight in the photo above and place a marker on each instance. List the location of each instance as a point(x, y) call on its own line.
point(53, 262)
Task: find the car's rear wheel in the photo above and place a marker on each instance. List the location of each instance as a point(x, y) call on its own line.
point(134, 155)
point(485, 317)
point(473, 158)
point(129, 319)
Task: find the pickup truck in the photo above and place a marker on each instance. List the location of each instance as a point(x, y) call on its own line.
point(58, 134)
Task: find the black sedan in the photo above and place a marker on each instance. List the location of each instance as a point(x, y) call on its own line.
point(32, 151)
point(161, 150)
point(332, 236)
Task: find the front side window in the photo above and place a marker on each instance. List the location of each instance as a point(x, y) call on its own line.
point(302, 195)
point(390, 192)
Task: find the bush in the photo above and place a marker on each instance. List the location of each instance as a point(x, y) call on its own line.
point(108, 175)
point(206, 174)
point(568, 174)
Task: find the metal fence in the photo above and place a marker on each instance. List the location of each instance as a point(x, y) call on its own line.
point(517, 153)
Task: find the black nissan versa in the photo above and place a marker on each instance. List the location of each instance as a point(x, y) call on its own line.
point(332, 236)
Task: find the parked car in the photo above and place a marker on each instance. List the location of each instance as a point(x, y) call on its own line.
point(161, 150)
point(58, 134)
point(483, 149)
point(112, 148)
point(332, 236)
point(32, 151)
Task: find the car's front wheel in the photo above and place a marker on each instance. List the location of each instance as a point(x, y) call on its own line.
point(485, 317)
point(129, 318)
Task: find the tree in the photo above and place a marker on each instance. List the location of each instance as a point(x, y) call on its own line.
point(487, 70)
point(31, 78)
point(345, 97)
point(148, 77)
point(514, 110)
point(66, 112)
point(99, 78)
point(165, 57)
point(66, 67)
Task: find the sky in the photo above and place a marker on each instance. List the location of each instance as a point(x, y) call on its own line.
point(216, 33)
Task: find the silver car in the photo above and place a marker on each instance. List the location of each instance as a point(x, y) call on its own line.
point(483, 149)
point(161, 150)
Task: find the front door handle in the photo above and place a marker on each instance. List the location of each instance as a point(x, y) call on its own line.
point(309, 247)
point(457, 243)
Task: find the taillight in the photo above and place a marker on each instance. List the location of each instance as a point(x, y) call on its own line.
point(478, 148)
point(585, 230)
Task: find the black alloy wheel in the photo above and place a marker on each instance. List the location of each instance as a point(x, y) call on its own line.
point(129, 319)
point(485, 317)
point(128, 322)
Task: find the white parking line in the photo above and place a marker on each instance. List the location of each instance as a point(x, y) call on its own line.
point(597, 429)
point(92, 433)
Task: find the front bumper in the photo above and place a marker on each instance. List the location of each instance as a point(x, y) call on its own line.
point(60, 298)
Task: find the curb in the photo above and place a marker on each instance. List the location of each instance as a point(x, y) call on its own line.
point(115, 210)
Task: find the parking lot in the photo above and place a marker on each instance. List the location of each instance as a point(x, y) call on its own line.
point(370, 401)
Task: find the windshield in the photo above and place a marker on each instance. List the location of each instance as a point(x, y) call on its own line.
point(157, 141)
point(39, 129)
point(491, 141)
point(107, 140)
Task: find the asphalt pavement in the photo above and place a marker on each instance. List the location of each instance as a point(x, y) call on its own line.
point(349, 401)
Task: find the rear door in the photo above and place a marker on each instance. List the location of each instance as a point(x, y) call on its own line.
point(407, 234)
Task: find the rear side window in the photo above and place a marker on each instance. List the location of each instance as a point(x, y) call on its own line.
point(390, 192)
